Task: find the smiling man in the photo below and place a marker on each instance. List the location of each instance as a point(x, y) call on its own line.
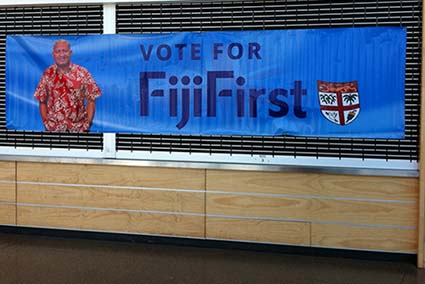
point(66, 93)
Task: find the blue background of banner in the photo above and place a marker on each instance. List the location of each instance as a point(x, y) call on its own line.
point(374, 57)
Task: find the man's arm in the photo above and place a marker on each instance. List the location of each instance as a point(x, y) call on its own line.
point(91, 107)
point(43, 111)
point(92, 92)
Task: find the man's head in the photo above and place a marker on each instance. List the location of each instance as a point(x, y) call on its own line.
point(62, 53)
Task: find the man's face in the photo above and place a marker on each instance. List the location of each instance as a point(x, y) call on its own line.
point(62, 54)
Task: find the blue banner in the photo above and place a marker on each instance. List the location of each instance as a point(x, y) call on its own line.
point(344, 82)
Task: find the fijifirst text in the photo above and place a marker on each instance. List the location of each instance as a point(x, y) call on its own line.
point(194, 92)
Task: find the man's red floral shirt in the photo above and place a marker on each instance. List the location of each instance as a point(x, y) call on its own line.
point(65, 94)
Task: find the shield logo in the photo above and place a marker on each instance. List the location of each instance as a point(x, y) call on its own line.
point(339, 102)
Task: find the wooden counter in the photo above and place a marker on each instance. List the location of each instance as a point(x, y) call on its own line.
point(377, 213)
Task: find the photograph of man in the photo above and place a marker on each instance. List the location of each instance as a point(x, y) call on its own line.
point(66, 93)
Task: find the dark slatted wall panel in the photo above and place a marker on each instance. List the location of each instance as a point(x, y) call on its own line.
point(158, 17)
point(60, 20)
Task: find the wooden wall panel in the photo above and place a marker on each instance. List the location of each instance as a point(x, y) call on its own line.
point(119, 198)
point(8, 192)
point(168, 224)
point(7, 171)
point(143, 223)
point(326, 210)
point(421, 201)
point(365, 238)
point(313, 209)
point(159, 201)
point(111, 175)
point(7, 182)
point(314, 184)
point(111, 221)
point(7, 214)
point(67, 218)
point(294, 233)
point(359, 212)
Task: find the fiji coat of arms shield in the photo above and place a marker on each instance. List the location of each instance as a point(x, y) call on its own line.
point(339, 101)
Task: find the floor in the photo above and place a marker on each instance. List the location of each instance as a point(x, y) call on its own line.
point(29, 258)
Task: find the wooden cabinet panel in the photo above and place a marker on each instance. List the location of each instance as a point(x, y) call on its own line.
point(7, 182)
point(167, 224)
point(125, 194)
point(314, 184)
point(7, 171)
point(294, 233)
point(322, 210)
point(360, 237)
point(8, 192)
point(144, 223)
point(117, 198)
point(111, 175)
point(7, 214)
point(111, 221)
point(313, 209)
point(68, 218)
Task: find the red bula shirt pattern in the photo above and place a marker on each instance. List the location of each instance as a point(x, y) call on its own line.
point(65, 94)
